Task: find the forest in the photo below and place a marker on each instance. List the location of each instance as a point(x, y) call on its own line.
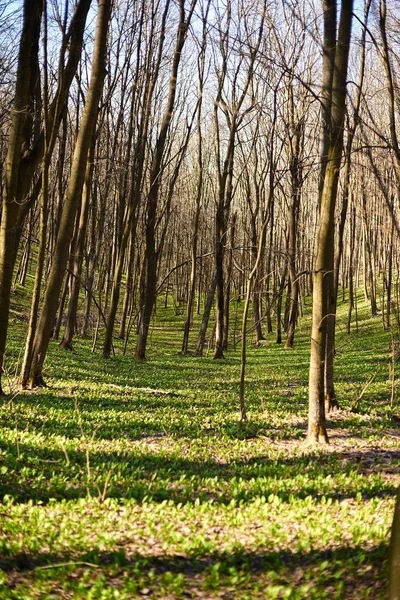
point(199, 299)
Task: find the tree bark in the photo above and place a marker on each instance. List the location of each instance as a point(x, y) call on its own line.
point(324, 265)
point(394, 554)
point(227, 295)
point(73, 194)
point(28, 48)
point(78, 251)
point(206, 316)
point(22, 162)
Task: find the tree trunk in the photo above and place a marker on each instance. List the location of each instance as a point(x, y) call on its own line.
point(78, 250)
point(227, 297)
point(21, 166)
point(128, 286)
point(10, 206)
point(73, 194)
point(296, 143)
point(323, 272)
point(394, 554)
point(155, 175)
point(42, 228)
point(206, 316)
point(279, 300)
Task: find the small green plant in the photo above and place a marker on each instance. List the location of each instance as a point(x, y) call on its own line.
point(127, 482)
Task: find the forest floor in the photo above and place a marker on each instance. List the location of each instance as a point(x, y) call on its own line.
point(123, 479)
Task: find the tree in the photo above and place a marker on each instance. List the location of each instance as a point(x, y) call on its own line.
point(73, 194)
point(323, 279)
point(394, 554)
point(25, 150)
point(43, 221)
point(200, 181)
point(232, 103)
point(18, 140)
point(149, 293)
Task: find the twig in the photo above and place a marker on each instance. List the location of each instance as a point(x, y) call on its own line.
point(370, 380)
point(67, 564)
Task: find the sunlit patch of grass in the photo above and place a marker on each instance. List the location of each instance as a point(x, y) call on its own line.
point(126, 479)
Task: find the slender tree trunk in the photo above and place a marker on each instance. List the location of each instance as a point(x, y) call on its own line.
point(129, 229)
point(227, 296)
point(192, 282)
point(23, 271)
point(244, 320)
point(22, 162)
point(206, 317)
point(220, 231)
point(60, 178)
point(129, 286)
point(389, 279)
point(155, 174)
point(279, 300)
point(78, 250)
point(295, 171)
point(351, 274)
point(73, 194)
point(92, 258)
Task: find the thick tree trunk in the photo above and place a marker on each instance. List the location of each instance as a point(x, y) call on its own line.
point(323, 272)
point(10, 206)
point(394, 554)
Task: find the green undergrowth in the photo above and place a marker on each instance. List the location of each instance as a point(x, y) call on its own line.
point(123, 479)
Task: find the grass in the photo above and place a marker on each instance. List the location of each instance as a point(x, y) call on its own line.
point(124, 480)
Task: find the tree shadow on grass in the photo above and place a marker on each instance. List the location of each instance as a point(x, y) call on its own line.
point(39, 474)
point(134, 418)
point(356, 567)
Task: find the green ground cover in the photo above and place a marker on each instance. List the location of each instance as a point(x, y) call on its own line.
point(124, 480)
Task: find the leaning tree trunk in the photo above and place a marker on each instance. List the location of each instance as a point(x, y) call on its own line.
point(73, 194)
point(21, 166)
point(10, 206)
point(323, 272)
